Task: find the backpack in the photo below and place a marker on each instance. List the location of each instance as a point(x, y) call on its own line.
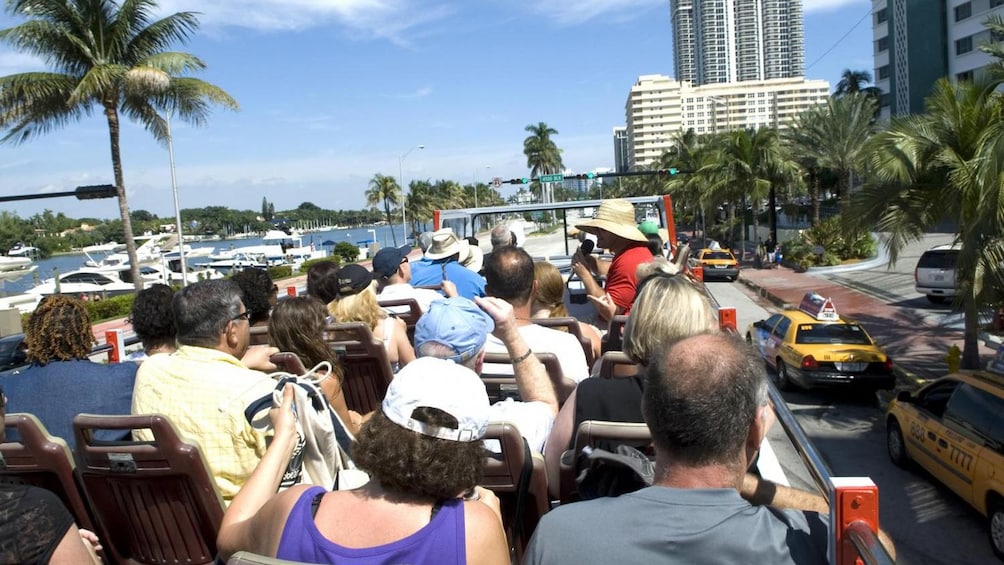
point(324, 443)
point(613, 473)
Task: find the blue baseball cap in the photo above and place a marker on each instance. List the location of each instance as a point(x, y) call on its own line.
point(457, 323)
point(388, 259)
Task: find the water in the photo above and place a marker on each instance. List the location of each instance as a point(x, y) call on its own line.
point(362, 235)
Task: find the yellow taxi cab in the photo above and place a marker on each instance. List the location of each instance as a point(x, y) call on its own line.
point(718, 263)
point(813, 346)
point(954, 429)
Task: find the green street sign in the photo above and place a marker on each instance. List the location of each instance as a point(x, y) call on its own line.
point(551, 178)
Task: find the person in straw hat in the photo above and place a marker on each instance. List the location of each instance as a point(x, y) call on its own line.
point(616, 231)
point(445, 259)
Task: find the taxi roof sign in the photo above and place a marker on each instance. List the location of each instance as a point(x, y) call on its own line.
point(819, 308)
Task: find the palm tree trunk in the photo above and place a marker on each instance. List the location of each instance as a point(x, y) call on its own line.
point(111, 114)
point(390, 221)
point(814, 196)
point(970, 345)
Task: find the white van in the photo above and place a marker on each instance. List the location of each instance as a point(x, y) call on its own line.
point(935, 273)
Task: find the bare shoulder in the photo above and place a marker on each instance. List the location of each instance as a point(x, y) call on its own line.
point(486, 541)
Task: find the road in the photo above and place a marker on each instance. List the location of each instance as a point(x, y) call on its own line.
point(928, 523)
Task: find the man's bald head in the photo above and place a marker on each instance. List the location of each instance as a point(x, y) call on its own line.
point(701, 396)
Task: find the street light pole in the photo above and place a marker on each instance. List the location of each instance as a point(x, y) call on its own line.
point(404, 191)
point(177, 208)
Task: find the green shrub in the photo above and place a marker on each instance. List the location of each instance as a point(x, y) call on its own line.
point(280, 272)
point(838, 245)
point(306, 264)
point(345, 251)
point(115, 307)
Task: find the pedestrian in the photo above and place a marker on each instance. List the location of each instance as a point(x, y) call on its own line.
point(770, 247)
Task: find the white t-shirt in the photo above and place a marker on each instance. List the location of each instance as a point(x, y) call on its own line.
point(424, 296)
point(532, 419)
point(563, 345)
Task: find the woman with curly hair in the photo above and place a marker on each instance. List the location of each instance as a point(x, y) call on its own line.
point(260, 294)
point(549, 301)
point(296, 326)
point(357, 302)
point(153, 321)
point(61, 381)
point(423, 452)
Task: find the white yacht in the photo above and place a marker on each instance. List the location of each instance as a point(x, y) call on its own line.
point(89, 281)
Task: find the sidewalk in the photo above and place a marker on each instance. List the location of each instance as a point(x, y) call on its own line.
point(916, 346)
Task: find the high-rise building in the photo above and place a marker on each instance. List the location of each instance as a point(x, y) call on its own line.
point(721, 41)
point(917, 42)
point(658, 108)
point(621, 162)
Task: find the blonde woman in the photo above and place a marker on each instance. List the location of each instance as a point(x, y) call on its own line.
point(357, 302)
point(670, 307)
point(549, 301)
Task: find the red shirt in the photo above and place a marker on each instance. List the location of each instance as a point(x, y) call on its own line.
point(622, 278)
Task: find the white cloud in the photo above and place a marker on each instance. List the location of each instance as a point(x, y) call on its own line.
point(393, 20)
point(829, 5)
point(574, 12)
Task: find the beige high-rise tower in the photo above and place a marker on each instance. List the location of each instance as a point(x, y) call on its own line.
point(722, 41)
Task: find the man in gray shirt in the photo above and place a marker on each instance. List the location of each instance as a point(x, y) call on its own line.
point(705, 402)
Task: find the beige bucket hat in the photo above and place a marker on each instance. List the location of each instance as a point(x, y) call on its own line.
point(617, 217)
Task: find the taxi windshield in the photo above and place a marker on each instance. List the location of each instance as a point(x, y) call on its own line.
point(850, 334)
point(718, 255)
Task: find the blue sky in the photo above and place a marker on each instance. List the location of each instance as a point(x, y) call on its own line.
point(335, 91)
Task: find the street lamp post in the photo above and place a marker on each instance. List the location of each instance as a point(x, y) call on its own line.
point(177, 208)
point(404, 190)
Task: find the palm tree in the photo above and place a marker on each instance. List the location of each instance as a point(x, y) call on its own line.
point(945, 164)
point(419, 204)
point(106, 55)
point(853, 82)
point(386, 190)
point(542, 155)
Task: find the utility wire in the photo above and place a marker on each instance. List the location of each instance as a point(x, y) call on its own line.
point(843, 37)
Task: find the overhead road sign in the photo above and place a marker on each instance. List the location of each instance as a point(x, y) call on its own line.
point(551, 178)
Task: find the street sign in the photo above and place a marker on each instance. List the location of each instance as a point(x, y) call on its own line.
point(497, 182)
point(551, 178)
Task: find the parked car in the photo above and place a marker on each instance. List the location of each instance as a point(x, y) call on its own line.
point(12, 351)
point(813, 346)
point(934, 275)
point(717, 264)
point(953, 429)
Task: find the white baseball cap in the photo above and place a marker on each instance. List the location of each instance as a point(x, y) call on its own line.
point(444, 385)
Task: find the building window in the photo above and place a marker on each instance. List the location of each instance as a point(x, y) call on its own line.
point(881, 16)
point(964, 45)
point(882, 44)
point(966, 76)
point(883, 72)
point(996, 3)
point(884, 100)
point(963, 11)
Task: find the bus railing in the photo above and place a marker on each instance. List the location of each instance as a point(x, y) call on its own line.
point(853, 501)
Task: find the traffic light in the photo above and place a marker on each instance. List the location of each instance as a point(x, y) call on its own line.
point(582, 176)
point(523, 180)
point(673, 171)
point(96, 191)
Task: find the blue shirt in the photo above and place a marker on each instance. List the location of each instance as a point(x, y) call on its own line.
point(430, 273)
point(60, 390)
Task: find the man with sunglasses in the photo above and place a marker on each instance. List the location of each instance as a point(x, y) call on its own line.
point(392, 270)
point(207, 383)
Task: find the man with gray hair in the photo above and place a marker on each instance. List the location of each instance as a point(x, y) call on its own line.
point(706, 404)
point(502, 235)
point(457, 329)
point(204, 386)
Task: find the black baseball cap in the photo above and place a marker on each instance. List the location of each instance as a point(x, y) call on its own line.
point(353, 279)
point(388, 259)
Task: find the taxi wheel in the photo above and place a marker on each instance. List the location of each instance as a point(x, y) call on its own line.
point(783, 382)
point(995, 519)
point(895, 445)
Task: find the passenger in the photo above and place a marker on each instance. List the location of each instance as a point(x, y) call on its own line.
point(357, 302)
point(549, 301)
point(509, 275)
point(616, 231)
point(502, 236)
point(475, 259)
point(36, 526)
point(61, 381)
point(669, 308)
point(706, 404)
point(422, 450)
point(153, 321)
point(296, 326)
point(393, 273)
point(444, 261)
point(205, 386)
point(259, 293)
point(322, 280)
point(457, 329)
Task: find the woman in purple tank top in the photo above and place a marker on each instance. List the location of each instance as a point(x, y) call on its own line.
point(422, 450)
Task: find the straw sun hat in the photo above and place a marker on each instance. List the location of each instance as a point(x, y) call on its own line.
point(617, 217)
